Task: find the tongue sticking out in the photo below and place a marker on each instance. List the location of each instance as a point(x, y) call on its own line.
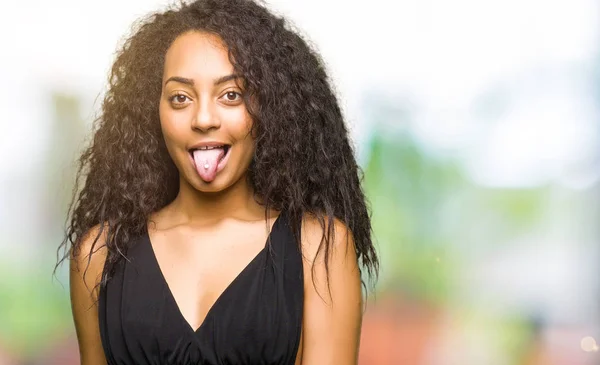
point(206, 162)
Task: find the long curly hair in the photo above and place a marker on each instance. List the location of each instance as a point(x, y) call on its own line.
point(303, 160)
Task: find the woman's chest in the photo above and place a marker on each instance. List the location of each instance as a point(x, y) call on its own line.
point(255, 319)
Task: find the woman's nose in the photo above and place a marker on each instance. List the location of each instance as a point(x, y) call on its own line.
point(205, 118)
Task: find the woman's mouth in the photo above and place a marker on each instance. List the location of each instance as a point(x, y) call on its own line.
point(209, 160)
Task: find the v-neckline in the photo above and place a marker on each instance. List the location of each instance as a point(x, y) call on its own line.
point(223, 293)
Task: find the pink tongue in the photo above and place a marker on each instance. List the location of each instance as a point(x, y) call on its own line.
point(207, 161)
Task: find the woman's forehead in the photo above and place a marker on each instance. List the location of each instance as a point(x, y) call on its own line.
point(199, 56)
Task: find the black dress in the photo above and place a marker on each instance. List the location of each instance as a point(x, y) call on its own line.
point(256, 320)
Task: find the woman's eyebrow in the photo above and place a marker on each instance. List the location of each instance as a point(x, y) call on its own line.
point(190, 82)
point(224, 79)
point(180, 79)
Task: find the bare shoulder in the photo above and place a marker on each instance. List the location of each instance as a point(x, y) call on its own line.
point(86, 266)
point(87, 262)
point(342, 249)
point(332, 314)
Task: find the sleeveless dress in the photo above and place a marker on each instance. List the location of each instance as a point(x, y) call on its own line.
point(256, 320)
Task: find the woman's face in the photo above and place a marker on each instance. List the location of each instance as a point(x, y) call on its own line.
point(204, 120)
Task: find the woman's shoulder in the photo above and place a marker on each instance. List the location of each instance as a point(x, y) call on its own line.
point(312, 234)
point(88, 257)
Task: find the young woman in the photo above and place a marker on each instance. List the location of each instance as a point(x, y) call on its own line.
point(222, 219)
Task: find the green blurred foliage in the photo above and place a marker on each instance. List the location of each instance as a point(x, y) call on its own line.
point(406, 190)
point(427, 215)
point(35, 310)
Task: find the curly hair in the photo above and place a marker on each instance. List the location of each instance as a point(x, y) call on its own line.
point(303, 160)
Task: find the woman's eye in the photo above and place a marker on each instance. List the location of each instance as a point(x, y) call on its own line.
point(178, 99)
point(232, 96)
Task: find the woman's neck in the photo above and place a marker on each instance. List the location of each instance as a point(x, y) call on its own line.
point(237, 201)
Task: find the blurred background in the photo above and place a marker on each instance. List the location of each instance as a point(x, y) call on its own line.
point(476, 124)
